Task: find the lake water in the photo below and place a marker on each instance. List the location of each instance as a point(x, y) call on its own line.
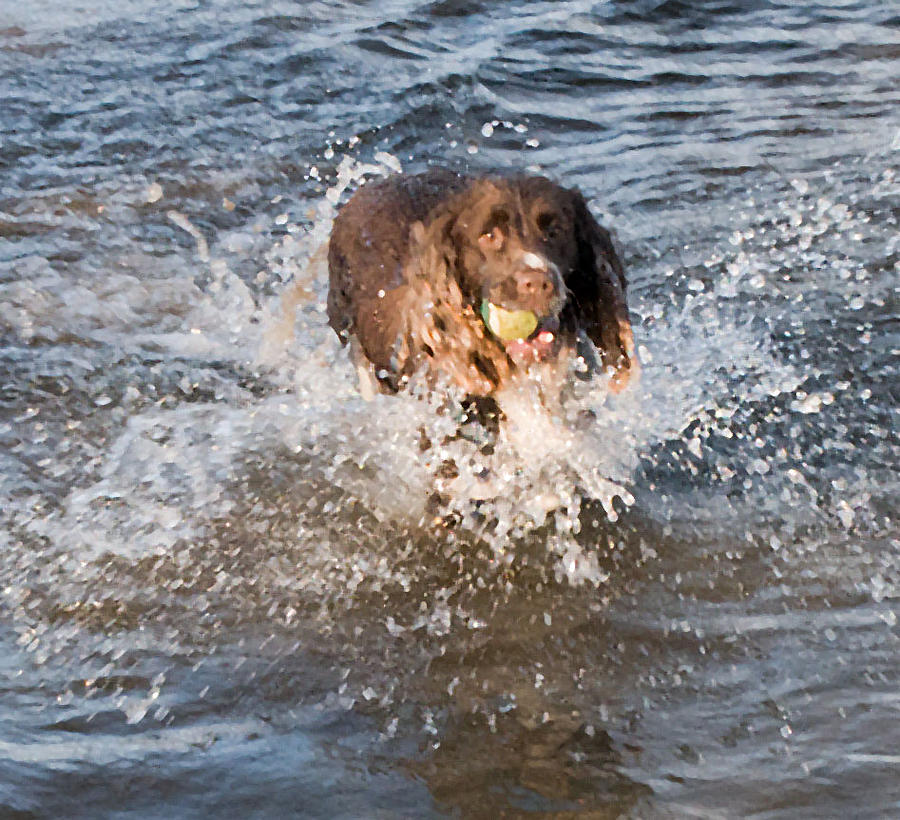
point(221, 589)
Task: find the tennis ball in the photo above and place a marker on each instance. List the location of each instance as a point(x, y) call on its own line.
point(508, 324)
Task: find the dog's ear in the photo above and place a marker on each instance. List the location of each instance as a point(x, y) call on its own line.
point(464, 218)
point(441, 330)
point(597, 288)
point(417, 235)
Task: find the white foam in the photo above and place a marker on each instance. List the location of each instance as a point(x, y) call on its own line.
point(169, 471)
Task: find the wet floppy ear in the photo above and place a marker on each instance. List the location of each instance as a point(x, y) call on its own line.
point(452, 232)
point(417, 234)
point(441, 331)
point(438, 235)
point(597, 288)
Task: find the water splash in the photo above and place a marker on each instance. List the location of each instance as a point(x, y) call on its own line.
point(238, 470)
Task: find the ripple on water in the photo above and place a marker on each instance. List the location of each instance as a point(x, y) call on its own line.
point(201, 516)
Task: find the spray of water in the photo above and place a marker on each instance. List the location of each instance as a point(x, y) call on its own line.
point(230, 462)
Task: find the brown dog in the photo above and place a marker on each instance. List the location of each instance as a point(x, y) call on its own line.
point(481, 279)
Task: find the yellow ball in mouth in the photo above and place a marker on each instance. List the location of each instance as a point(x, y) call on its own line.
point(508, 325)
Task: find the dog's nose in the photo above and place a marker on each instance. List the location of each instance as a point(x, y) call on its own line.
point(532, 282)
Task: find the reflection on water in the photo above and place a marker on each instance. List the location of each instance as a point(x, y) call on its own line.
point(224, 584)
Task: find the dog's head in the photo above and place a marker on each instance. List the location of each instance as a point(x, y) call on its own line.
point(529, 269)
point(514, 243)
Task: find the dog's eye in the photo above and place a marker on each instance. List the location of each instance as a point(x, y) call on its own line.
point(493, 233)
point(492, 238)
point(547, 225)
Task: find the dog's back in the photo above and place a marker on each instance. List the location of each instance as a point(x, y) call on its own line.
point(369, 242)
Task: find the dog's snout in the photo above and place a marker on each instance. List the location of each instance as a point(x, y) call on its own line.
point(532, 260)
point(533, 282)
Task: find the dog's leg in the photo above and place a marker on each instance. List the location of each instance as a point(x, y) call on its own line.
point(536, 428)
point(368, 384)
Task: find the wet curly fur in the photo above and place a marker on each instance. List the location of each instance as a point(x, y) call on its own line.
point(413, 258)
